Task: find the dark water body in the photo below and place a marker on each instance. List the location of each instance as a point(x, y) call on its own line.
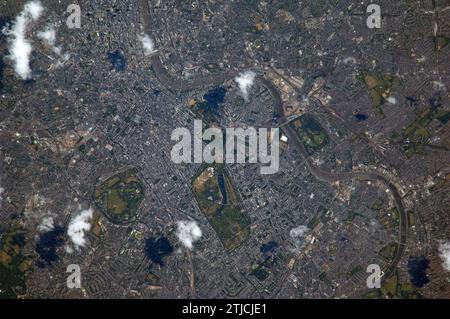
point(47, 245)
point(412, 101)
point(18, 239)
point(157, 249)
point(417, 267)
point(361, 117)
point(319, 74)
point(275, 116)
point(435, 101)
point(213, 98)
point(268, 250)
point(221, 182)
point(118, 61)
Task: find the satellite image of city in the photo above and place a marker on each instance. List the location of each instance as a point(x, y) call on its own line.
point(224, 149)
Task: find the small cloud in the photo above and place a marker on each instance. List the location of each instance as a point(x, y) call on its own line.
point(245, 81)
point(188, 232)
point(20, 48)
point(439, 85)
point(49, 37)
point(79, 224)
point(444, 253)
point(298, 231)
point(349, 59)
point(46, 224)
point(34, 9)
point(298, 234)
point(68, 249)
point(392, 100)
point(147, 43)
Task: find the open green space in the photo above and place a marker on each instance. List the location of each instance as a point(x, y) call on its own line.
point(380, 87)
point(417, 134)
point(394, 288)
point(311, 133)
point(119, 197)
point(219, 201)
point(14, 263)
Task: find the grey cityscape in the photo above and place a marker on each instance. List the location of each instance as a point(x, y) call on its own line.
point(354, 97)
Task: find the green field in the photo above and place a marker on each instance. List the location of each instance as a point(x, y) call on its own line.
point(380, 87)
point(416, 135)
point(311, 133)
point(394, 288)
point(119, 197)
point(218, 200)
point(388, 251)
point(441, 42)
point(13, 263)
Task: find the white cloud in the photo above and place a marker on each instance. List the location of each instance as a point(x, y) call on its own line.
point(68, 249)
point(298, 234)
point(34, 9)
point(349, 59)
point(188, 232)
point(245, 81)
point(80, 224)
point(147, 43)
point(20, 48)
point(46, 224)
point(444, 253)
point(392, 100)
point(49, 37)
point(298, 231)
point(439, 85)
